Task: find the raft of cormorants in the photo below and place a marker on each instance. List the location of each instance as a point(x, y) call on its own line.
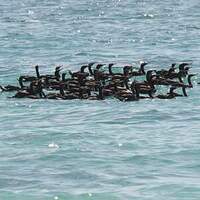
point(96, 81)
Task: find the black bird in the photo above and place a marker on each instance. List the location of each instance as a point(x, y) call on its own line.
point(141, 70)
point(9, 88)
point(56, 75)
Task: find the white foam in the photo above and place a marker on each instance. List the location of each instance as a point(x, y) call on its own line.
point(89, 194)
point(53, 145)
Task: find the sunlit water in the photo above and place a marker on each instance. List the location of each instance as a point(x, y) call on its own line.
point(83, 149)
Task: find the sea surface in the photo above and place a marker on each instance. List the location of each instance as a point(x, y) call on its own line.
point(98, 150)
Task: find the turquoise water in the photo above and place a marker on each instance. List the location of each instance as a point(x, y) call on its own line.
point(82, 150)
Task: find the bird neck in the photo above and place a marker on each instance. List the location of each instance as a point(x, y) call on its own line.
point(21, 83)
point(141, 70)
point(189, 81)
point(110, 70)
point(90, 70)
point(184, 91)
point(100, 96)
point(57, 74)
point(83, 68)
point(37, 71)
point(63, 77)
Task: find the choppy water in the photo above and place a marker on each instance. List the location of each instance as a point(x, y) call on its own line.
point(101, 150)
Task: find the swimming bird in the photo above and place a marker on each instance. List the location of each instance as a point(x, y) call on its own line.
point(183, 71)
point(56, 75)
point(9, 88)
point(129, 95)
point(81, 74)
point(34, 89)
point(166, 73)
point(176, 94)
point(141, 70)
point(144, 88)
point(171, 94)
